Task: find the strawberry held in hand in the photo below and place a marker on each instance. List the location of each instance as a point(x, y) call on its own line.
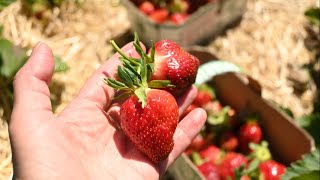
point(149, 116)
point(151, 127)
point(173, 63)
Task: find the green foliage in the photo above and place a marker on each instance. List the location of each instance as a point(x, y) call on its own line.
point(5, 3)
point(218, 118)
point(59, 65)
point(134, 76)
point(313, 14)
point(11, 58)
point(311, 123)
point(306, 168)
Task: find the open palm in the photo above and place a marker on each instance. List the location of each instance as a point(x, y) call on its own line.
point(83, 141)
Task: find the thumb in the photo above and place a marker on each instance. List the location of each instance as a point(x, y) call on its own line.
point(31, 91)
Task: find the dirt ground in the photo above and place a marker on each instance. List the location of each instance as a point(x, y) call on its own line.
point(268, 44)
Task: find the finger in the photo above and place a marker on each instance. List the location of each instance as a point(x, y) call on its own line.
point(186, 131)
point(187, 99)
point(95, 90)
point(31, 92)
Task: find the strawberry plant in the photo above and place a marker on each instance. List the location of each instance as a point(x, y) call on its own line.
point(306, 168)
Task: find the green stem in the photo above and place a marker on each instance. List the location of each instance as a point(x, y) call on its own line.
point(117, 48)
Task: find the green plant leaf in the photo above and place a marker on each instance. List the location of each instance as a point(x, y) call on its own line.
point(5, 3)
point(11, 58)
point(158, 84)
point(1, 30)
point(313, 14)
point(59, 65)
point(218, 118)
point(306, 168)
point(141, 94)
point(311, 123)
point(196, 158)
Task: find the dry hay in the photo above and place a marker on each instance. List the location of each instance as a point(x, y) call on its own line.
point(79, 35)
point(269, 38)
point(269, 45)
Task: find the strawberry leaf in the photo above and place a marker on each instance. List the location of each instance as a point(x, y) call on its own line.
point(152, 52)
point(127, 65)
point(11, 58)
point(158, 84)
point(59, 65)
point(125, 77)
point(252, 167)
point(123, 95)
point(150, 68)
point(114, 83)
point(306, 168)
point(142, 96)
point(196, 159)
point(218, 118)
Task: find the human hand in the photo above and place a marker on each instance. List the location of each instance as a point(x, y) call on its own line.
point(82, 142)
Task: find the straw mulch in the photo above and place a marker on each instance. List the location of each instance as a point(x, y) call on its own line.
point(269, 46)
point(267, 42)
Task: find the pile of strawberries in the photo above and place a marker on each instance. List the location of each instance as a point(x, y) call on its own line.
point(230, 146)
point(173, 11)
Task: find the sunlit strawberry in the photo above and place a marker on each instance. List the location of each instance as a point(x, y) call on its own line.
point(249, 132)
point(210, 171)
point(230, 162)
point(146, 7)
point(271, 170)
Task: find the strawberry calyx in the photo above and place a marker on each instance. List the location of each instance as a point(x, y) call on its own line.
point(260, 151)
point(135, 73)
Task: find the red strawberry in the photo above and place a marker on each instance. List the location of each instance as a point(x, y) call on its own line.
point(211, 153)
point(245, 177)
point(151, 127)
point(271, 170)
point(210, 171)
point(178, 18)
point(213, 106)
point(173, 63)
point(159, 15)
point(202, 98)
point(148, 116)
point(146, 7)
point(229, 141)
point(197, 144)
point(230, 162)
point(249, 132)
point(188, 110)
